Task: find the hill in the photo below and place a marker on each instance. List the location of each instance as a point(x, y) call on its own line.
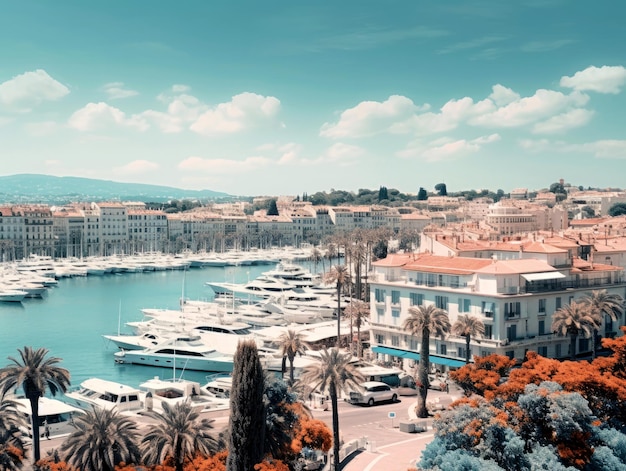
point(35, 188)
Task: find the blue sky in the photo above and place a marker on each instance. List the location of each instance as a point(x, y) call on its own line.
point(284, 97)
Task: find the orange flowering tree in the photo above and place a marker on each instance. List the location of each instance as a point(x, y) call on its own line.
point(548, 415)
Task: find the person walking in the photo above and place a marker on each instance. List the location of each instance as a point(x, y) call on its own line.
point(46, 429)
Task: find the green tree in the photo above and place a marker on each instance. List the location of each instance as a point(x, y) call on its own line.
point(469, 327)
point(588, 211)
point(272, 209)
point(35, 374)
point(424, 321)
point(441, 189)
point(290, 344)
point(102, 439)
point(334, 373)
point(339, 276)
point(422, 194)
point(574, 319)
point(383, 194)
point(12, 421)
point(618, 209)
point(246, 436)
point(180, 433)
point(602, 303)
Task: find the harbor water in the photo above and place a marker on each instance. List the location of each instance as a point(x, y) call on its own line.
point(72, 317)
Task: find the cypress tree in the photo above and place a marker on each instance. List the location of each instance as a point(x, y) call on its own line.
point(247, 410)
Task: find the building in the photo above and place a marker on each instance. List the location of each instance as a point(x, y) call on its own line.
point(514, 294)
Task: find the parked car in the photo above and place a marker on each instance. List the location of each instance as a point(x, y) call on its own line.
point(372, 392)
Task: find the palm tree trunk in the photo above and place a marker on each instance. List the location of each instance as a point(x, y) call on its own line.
point(572, 346)
point(291, 379)
point(336, 444)
point(594, 336)
point(338, 314)
point(34, 420)
point(422, 374)
point(179, 457)
point(467, 349)
point(359, 345)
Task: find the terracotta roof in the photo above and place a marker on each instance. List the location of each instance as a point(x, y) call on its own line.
point(450, 265)
point(517, 267)
point(540, 247)
point(395, 260)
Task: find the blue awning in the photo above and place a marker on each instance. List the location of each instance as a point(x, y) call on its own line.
point(400, 353)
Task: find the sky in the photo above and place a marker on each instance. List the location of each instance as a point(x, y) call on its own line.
point(292, 97)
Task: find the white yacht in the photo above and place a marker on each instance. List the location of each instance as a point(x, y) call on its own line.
point(219, 385)
point(11, 295)
point(139, 342)
point(258, 289)
point(100, 393)
point(173, 391)
point(189, 353)
point(293, 274)
point(56, 414)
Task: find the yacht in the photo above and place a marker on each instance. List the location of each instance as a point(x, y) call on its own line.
point(173, 391)
point(100, 393)
point(293, 274)
point(139, 342)
point(189, 353)
point(258, 289)
point(11, 295)
point(219, 385)
point(56, 414)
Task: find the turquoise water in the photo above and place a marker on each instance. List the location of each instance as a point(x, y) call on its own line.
point(71, 319)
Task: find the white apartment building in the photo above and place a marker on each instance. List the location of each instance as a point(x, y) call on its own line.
point(147, 229)
point(113, 228)
point(515, 298)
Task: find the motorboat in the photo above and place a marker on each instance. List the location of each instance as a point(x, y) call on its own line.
point(11, 295)
point(258, 289)
point(219, 385)
point(139, 342)
point(57, 415)
point(293, 274)
point(104, 394)
point(189, 353)
point(172, 391)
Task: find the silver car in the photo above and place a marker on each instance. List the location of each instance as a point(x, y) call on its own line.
point(372, 392)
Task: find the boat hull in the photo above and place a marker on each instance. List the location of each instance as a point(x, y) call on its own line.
point(216, 365)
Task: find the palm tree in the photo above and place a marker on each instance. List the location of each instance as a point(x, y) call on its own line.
point(11, 438)
point(601, 303)
point(338, 275)
point(316, 257)
point(35, 374)
point(424, 321)
point(291, 343)
point(574, 319)
point(358, 312)
point(332, 374)
point(103, 439)
point(468, 326)
point(178, 433)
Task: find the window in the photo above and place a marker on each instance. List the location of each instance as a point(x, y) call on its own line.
point(512, 309)
point(542, 327)
point(380, 315)
point(488, 308)
point(543, 351)
point(416, 299)
point(454, 281)
point(557, 351)
point(395, 297)
point(379, 295)
point(395, 315)
point(443, 349)
point(431, 280)
point(380, 339)
point(395, 341)
point(542, 306)
point(464, 305)
point(488, 331)
point(461, 352)
point(558, 303)
point(441, 302)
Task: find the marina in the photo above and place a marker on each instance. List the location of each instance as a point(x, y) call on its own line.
point(71, 317)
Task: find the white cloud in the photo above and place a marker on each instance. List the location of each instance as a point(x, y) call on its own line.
point(571, 119)
point(94, 116)
point(223, 166)
point(180, 88)
point(535, 145)
point(136, 167)
point(290, 153)
point(342, 154)
point(116, 90)
point(502, 95)
point(24, 91)
point(446, 148)
point(605, 79)
point(52, 163)
point(371, 117)
point(244, 111)
point(542, 105)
